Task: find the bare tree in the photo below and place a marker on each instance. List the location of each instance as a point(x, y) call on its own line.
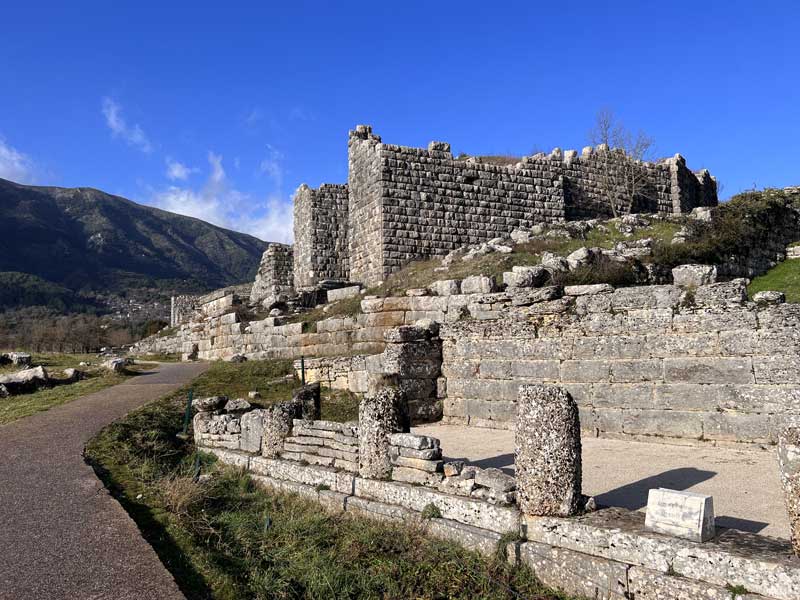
point(623, 180)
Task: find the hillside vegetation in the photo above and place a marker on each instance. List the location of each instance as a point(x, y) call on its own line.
point(83, 239)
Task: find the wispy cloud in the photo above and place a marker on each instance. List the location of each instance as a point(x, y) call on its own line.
point(220, 203)
point(177, 171)
point(272, 166)
point(133, 135)
point(15, 165)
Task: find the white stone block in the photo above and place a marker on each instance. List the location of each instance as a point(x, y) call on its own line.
point(681, 514)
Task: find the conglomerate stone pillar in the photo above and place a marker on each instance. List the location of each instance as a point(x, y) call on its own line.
point(548, 452)
point(789, 461)
point(380, 414)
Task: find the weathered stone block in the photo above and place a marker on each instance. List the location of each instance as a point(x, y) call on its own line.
point(789, 464)
point(548, 451)
point(574, 573)
point(416, 476)
point(447, 287)
point(681, 514)
point(708, 370)
point(585, 371)
point(477, 284)
point(632, 371)
point(252, 424)
point(380, 414)
point(646, 584)
point(693, 276)
point(277, 422)
point(588, 290)
point(464, 510)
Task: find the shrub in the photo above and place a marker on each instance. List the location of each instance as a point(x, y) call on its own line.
point(431, 511)
point(747, 221)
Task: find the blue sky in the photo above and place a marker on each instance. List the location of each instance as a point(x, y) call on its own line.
point(220, 110)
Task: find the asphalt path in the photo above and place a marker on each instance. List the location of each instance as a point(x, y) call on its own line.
point(61, 534)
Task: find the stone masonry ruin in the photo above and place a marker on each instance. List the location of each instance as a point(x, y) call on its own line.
point(684, 357)
point(374, 467)
point(403, 203)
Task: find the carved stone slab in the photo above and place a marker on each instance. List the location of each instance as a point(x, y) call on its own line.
point(680, 514)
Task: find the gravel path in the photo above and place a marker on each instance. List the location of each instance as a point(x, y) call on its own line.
point(61, 534)
point(745, 483)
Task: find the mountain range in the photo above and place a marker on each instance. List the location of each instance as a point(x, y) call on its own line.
point(69, 243)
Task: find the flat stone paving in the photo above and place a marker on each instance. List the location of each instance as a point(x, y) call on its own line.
point(61, 534)
point(744, 483)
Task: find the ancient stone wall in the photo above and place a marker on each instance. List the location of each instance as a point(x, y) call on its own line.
point(415, 203)
point(182, 309)
point(366, 206)
point(274, 280)
point(650, 362)
point(607, 553)
point(321, 234)
point(410, 203)
point(598, 175)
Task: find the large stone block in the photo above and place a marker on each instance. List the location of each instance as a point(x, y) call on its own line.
point(548, 451)
point(646, 584)
point(574, 573)
point(464, 510)
point(633, 371)
point(478, 284)
point(708, 370)
point(693, 276)
point(757, 563)
point(585, 371)
point(252, 431)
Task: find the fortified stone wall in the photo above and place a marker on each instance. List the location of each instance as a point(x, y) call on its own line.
point(651, 362)
point(654, 361)
point(414, 203)
point(187, 307)
point(321, 234)
point(274, 279)
point(409, 203)
point(182, 309)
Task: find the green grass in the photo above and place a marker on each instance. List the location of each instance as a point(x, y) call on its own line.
point(17, 407)
point(422, 273)
point(784, 277)
point(228, 539)
point(268, 378)
point(160, 357)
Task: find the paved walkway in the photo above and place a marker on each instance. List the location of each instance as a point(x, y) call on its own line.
point(745, 483)
point(61, 534)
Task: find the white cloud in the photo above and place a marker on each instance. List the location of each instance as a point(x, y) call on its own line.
point(217, 172)
point(133, 135)
point(177, 171)
point(272, 166)
point(14, 165)
point(276, 224)
point(220, 203)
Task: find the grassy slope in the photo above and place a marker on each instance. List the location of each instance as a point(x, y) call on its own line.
point(17, 407)
point(784, 277)
point(422, 273)
point(227, 539)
